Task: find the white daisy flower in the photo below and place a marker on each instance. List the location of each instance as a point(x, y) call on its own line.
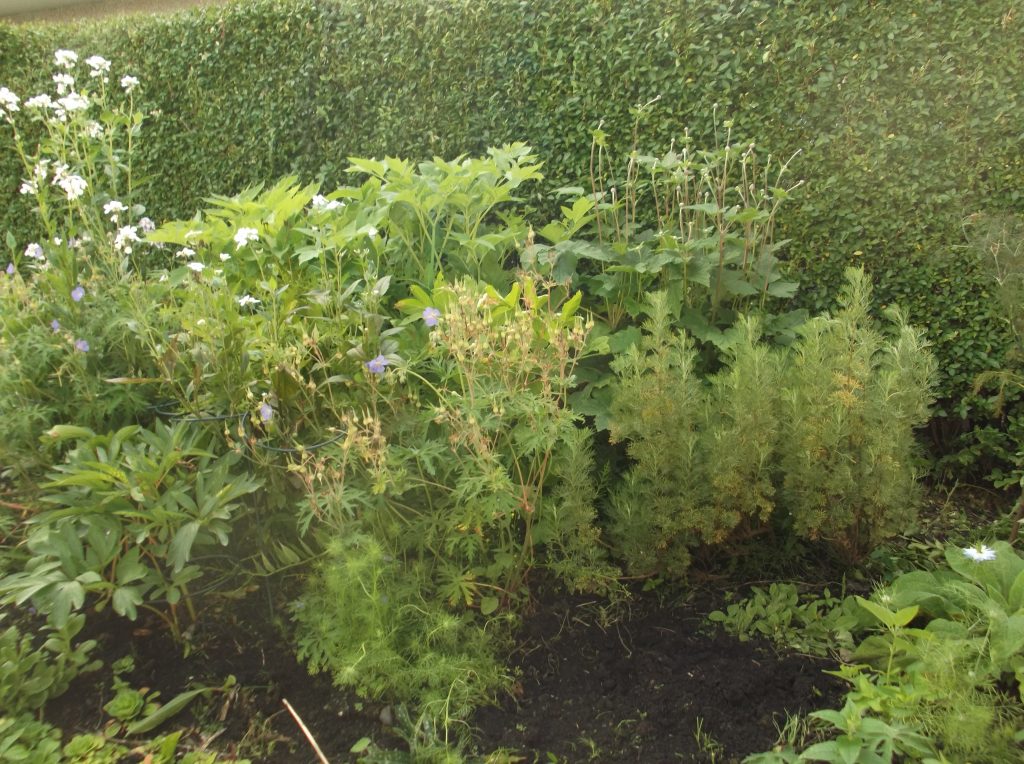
point(979, 553)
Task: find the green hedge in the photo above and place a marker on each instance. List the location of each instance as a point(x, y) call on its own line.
point(909, 115)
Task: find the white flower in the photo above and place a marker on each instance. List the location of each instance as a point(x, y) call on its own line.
point(93, 129)
point(129, 83)
point(8, 101)
point(73, 185)
point(34, 251)
point(163, 278)
point(245, 235)
point(371, 232)
point(980, 553)
point(29, 187)
point(65, 59)
point(98, 65)
point(147, 225)
point(125, 236)
point(185, 253)
point(64, 82)
point(41, 101)
point(113, 208)
point(196, 266)
point(73, 102)
point(247, 299)
point(320, 203)
point(224, 257)
point(41, 169)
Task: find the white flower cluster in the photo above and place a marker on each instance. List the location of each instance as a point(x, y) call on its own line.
point(125, 239)
point(65, 59)
point(129, 83)
point(244, 236)
point(8, 103)
point(34, 251)
point(99, 67)
point(72, 185)
point(113, 208)
point(321, 203)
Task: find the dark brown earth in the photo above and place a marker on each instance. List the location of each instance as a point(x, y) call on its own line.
point(654, 684)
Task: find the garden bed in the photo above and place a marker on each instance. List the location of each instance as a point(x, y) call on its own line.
point(650, 682)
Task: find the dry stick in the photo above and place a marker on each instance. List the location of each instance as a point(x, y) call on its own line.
point(305, 731)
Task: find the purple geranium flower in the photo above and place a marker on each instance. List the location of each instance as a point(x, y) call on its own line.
point(55, 325)
point(10, 269)
point(266, 412)
point(78, 293)
point(377, 365)
point(82, 346)
point(431, 316)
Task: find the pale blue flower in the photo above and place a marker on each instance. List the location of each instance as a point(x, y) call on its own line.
point(377, 365)
point(55, 325)
point(82, 346)
point(431, 316)
point(10, 269)
point(266, 412)
point(78, 293)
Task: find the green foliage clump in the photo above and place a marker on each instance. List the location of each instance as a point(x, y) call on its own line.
point(703, 454)
point(129, 509)
point(851, 401)
point(29, 676)
point(820, 433)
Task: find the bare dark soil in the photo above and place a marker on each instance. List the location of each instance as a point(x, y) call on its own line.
point(655, 684)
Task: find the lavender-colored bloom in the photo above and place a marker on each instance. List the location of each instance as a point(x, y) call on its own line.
point(431, 316)
point(55, 325)
point(266, 412)
point(377, 365)
point(77, 293)
point(82, 346)
point(35, 251)
point(10, 269)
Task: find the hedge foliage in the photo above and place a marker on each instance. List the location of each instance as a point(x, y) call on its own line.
point(908, 116)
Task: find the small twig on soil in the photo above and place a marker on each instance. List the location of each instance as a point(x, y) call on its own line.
point(305, 731)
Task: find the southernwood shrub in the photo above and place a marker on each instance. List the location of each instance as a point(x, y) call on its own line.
point(820, 433)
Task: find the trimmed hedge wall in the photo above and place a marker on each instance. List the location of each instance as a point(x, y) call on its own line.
point(909, 115)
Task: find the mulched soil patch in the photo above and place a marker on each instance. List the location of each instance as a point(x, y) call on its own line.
point(631, 690)
point(656, 686)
